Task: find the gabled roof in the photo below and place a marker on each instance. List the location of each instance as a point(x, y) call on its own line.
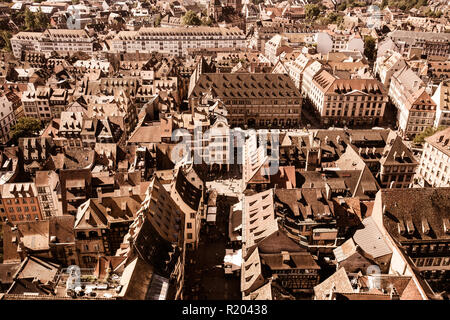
point(371, 240)
point(337, 282)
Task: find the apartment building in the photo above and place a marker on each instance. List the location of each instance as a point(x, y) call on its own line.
point(441, 98)
point(36, 151)
point(434, 166)
point(416, 110)
point(100, 225)
point(309, 72)
point(177, 41)
point(332, 42)
point(7, 118)
point(297, 68)
point(64, 41)
point(253, 100)
point(347, 101)
point(387, 65)
point(417, 221)
point(47, 184)
point(187, 191)
point(20, 202)
point(117, 104)
point(30, 101)
point(430, 43)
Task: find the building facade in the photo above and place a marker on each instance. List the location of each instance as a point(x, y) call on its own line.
point(60, 40)
point(347, 101)
point(177, 41)
point(253, 100)
point(441, 98)
point(416, 110)
point(435, 161)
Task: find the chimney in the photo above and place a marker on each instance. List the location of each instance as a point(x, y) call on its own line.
point(100, 195)
point(328, 191)
point(394, 294)
point(425, 226)
point(401, 228)
point(446, 225)
point(286, 256)
point(395, 155)
point(409, 226)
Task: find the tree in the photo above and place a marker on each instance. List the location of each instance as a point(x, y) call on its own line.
point(5, 42)
point(25, 127)
point(30, 22)
point(41, 20)
point(158, 21)
point(207, 21)
point(420, 138)
point(312, 11)
point(38, 21)
point(369, 47)
point(191, 19)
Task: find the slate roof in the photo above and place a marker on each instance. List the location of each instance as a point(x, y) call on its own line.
point(421, 209)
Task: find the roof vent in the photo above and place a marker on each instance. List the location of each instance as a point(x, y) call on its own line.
point(410, 226)
point(401, 228)
point(425, 226)
point(446, 225)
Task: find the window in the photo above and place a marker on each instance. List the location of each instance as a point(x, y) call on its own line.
point(189, 236)
point(189, 225)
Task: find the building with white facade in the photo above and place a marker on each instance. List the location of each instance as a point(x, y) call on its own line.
point(435, 161)
point(60, 40)
point(177, 41)
point(338, 42)
point(442, 99)
point(416, 110)
point(7, 118)
point(347, 101)
point(36, 103)
point(385, 66)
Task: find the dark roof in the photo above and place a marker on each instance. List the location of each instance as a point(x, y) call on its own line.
point(297, 260)
point(155, 250)
point(418, 208)
point(187, 191)
point(246, 85)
